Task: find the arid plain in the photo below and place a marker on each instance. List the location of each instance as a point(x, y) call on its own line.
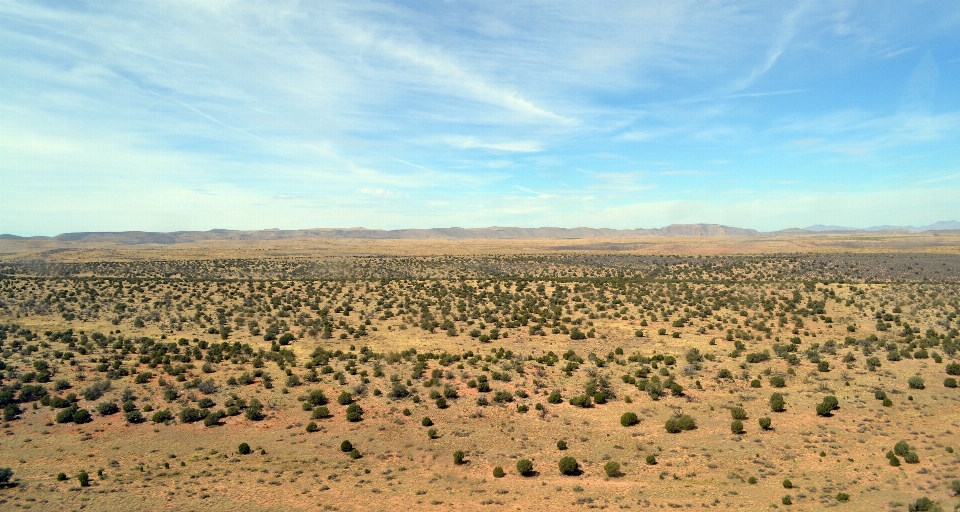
point(676, 372)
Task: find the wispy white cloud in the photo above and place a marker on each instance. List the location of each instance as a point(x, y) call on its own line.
point(899, 52)
point(522, 146)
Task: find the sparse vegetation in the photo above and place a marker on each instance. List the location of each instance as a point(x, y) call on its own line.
point(556, 348)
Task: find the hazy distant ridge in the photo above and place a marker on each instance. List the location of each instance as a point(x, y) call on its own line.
point(943, 225)
point(493, 233)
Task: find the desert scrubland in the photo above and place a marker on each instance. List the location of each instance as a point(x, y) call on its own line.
point(795, 373)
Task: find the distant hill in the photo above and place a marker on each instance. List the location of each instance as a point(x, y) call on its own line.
point(943, 225)
point(494, 232)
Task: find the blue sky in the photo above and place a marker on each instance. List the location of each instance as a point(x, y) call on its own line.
point(174, 115)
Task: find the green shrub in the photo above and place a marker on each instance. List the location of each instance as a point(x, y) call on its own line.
point(651, 459)
point(312, 427)
point(191, 415)
point(568, 466)
point(842, 496)
point(107, 408)
point(786, 500)
point(243, 449)
point(66, 415)
point(354, 412)
point(426, 422)
point(824, 409)
point(901, 448)
point(894, 461)
point(254, 411)
point(736, 426)
point(458, 457)
point(212, 419)
point(345, 398)
point(61, 477)
point(738, 413)
point(82, 416)
point(752, 480)
point(777, 381)
point(949, 382)
point(7, 473)
point(887, 402)
point(355, 454)
point(581, 401)
point(765, 423)
point(923, 505)
point(612, 469)
point(787, 484)
point(498, 472)
point(879, 394)
point(777, 403)
point(83, 478)
point(828, 405)
point(432, 433)
point(953, 368)
point(678, 424)
point(134, 417)
point(554, 397)
point(320, 412)
point(346, 446)
point(561, 445)
point(629, 419)
point(915, 382)
point(524, 467)
point(911, 458)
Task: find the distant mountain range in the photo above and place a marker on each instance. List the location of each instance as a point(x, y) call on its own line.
point(943, 225)
point(686, 230)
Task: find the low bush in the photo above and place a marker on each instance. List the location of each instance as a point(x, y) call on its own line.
point(524, 467)
point(679, 424)
point(192, 415)
point(354, 412)
point(107, 408)
point(915, 382)
point(736, 426)
point(629, 419)
point(777, 403)
point(568, 466)
point(901, 448)
point(162, 416)
point(612, 469)
point(212, 419)
point(828, 405)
